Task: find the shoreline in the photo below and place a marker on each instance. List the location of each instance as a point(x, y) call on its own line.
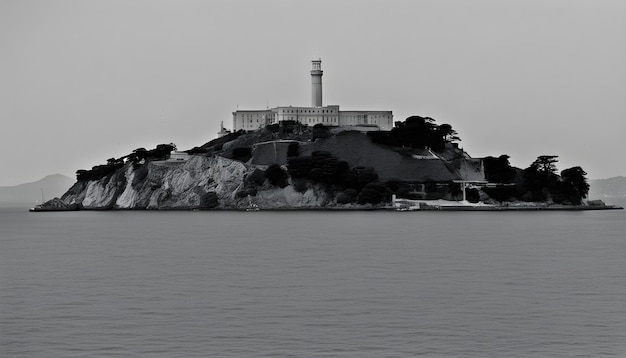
point(426, 207)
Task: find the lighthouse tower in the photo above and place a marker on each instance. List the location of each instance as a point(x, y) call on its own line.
point(316, 83)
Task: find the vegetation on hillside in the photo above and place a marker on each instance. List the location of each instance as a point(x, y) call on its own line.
point(542, 182)
point(538, 182)
point(417, 132)
point(137, 157)
point(357, 184)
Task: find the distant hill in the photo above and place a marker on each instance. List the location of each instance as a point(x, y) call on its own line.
point(30, 193)
point(608, 188)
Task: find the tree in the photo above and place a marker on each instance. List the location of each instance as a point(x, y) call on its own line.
point(83, 175)
point(417, 132)
point(276, 175)
point(319, 131)
point(209, 200)
point(242, 153)
point(448, 134)
point(347, 196)
point(369, 196)
point(499, 170)
point(540, 177)
point(299, 167)
point(575, 176)
point(293, 150)
point(374, 193)
point(138, 154)
point(162, 151)
point(545, 163)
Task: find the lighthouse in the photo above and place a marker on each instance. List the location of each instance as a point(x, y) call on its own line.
point(316, 113)
point(316, 83)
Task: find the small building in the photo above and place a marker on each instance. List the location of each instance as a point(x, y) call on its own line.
point(223, 131)
point(178, 156)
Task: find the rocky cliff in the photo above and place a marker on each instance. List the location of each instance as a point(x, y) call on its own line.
point(202, 182)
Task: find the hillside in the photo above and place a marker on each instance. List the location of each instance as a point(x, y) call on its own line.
point(291, 165)
point(281, 166)
point(30, 193)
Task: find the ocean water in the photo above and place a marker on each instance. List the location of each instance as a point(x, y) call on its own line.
point(312, 284)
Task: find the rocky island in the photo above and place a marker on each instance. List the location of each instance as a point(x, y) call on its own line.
point(321, 157)
point(290, 165)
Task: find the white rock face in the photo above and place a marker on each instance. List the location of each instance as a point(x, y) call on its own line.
point(194, 184)
point(101, 193)
point(128, 198)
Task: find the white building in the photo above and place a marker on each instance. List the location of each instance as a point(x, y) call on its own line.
point(326, 115)
point(178, 156)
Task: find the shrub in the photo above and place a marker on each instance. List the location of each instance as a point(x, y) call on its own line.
point(402, 192)
point(257, 177)
point(347, 196)
point(417, 132)
point(498, 170)
point(394, 184)
point(364, 176)
point(276, 175)
point(299, 167)
point(369, 196)
point(209, 200)
point(242, 153)
point(299, 184)
point(319, 131)
point(374, 193)
point(472, 195)
point(500, 193)
point(293, 150)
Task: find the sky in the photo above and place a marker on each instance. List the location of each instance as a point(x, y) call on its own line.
point(84, 81)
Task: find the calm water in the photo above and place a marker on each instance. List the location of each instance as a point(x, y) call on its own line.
point(312, 284)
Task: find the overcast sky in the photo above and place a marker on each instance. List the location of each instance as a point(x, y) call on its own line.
point(83, 81)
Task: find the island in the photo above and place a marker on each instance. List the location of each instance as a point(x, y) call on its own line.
point(322, 157)
point(289, 165)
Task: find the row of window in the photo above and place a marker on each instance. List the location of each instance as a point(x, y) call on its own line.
point(308, 111)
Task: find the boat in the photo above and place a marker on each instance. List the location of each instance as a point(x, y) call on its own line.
point(405, 204)
point(55, 204)
point(252, 206)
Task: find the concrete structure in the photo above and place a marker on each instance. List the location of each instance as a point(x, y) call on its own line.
point(223, 131)
point(178, 156)
point(316, 83)
point(317, 113)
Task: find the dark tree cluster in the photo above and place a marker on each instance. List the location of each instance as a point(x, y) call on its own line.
point(320, 131)
point(277, 176)
point(503, 192)
point(293, 150)
point(499, 170)
point(99, 171)
point(539, 182)
point(323, 167)
point(356, 184)
point(542, 182)
point(242, 154)
point(374, 193)
point(159, 153)
point(576, 182)
point(137, 156)
point(417, 132)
